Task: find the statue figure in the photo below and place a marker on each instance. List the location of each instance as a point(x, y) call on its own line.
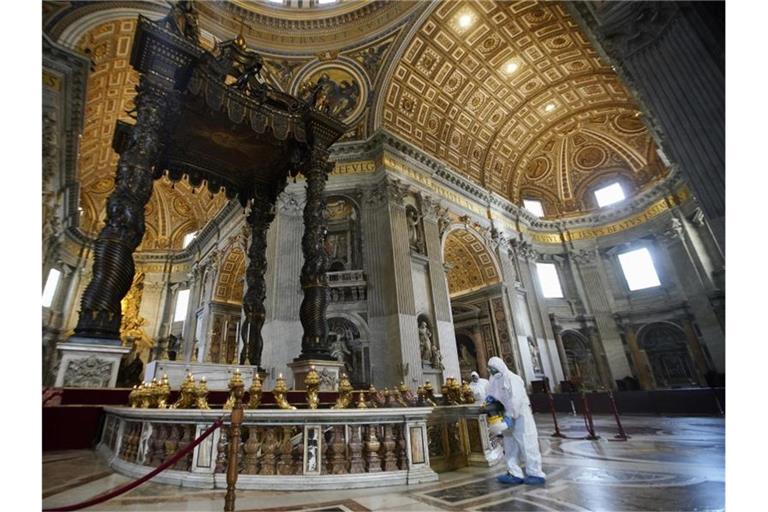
point(535, 355)
point(425, 342)
point(437, 358)
point(339, 350)
point(415, 238)
point(183, 20)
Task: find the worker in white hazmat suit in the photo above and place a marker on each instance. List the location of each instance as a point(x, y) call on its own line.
point(521, 442)
point(478, 386)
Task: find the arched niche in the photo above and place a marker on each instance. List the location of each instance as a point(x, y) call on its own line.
point(580, 360)
point(349, 342)
point(342, 243)
point(666, 346)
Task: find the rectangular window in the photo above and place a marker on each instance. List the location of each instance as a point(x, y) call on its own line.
point(51, 284)
point(188, 239)
point(613, 193)
point(182, 301)
point(638, 269)
point(534, 207)
point(550, 282)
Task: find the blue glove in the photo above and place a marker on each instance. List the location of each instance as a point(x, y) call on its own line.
point(510, 422)
point(489, 400)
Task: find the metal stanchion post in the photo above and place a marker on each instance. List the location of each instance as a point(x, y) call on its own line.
point(554, 416)
point(622, 435)
point(238, 390)
point(588, 418)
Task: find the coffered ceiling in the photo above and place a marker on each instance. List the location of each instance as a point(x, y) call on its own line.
point(470, 265)
point(496, 90)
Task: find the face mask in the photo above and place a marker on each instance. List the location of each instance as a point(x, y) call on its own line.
point(493, 371)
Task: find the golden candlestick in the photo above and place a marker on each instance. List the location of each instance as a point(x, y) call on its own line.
point(312, 384)
point(345, 393)
point(186, 394)
point(280, 392)
point(235, 381)
point(467, 396)
point(255, 392)
point(361, 401)
point(201, 394)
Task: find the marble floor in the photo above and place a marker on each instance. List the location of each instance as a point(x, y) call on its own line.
point(670, 463)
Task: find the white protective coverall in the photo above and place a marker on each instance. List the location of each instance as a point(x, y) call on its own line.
point(479, 388)
point(521, 442)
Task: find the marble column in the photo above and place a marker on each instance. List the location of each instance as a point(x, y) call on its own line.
point(314, 342)
point(113, 267)
point(587, 265)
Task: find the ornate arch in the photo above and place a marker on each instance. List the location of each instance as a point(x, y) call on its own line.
point(474, 265)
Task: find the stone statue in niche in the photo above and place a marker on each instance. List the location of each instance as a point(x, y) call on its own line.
point(437, 358)
point(535, 355)
point(467, 360)
point(425, 342)
point(339, 350)
point(415, 230)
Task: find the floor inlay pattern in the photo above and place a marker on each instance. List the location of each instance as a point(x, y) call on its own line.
point(669, 463)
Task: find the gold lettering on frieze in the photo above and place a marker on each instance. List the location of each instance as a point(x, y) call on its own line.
point(652, 211)
point(51, 81)
point(362, 167)
point(429, 183)
point(547, 238)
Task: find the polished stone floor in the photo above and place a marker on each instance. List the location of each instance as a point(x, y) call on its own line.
point(670, 463)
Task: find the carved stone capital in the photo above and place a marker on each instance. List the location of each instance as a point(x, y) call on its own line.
point(673, 231)
point(634, 25)
point(523, 249)
point(583, 256)
point(396, 191)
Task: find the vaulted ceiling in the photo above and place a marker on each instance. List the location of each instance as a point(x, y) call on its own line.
point(498, 89)
point(470, 264)
point(512, 95)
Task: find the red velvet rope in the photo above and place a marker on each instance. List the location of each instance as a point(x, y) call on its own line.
point(132, 485)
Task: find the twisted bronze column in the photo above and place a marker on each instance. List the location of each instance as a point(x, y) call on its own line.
point(113, 266)
point(260, 217)
point(314, 343)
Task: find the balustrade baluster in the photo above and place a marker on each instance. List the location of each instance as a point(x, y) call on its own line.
point(372, 445)
point(388, 449)
point(285, 463)
point(356, 464)
point(268, 447)
point(338, 451)
point(251, 449)
point(171, 442)
point(185, 462)
point(158, 445)
point(221, 451)
point(401, 450)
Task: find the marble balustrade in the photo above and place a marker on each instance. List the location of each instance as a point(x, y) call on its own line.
point(302, 449)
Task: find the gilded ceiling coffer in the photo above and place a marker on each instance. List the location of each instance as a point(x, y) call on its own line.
point(210, 116)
